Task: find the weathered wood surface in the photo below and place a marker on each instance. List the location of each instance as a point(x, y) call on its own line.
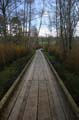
point(38, 97)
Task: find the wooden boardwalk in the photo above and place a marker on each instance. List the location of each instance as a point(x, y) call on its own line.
point(38, 96)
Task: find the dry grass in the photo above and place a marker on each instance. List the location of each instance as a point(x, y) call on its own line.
point(9, 53)
point(67, 68)
point(72, 59)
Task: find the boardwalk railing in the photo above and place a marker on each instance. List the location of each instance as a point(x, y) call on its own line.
point(72, 103)
point(6, 97)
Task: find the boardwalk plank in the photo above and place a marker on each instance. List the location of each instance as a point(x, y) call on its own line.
point(43, 104)
point(61, 105)
point(38, 96)
point(31, 107)
point(15, 112)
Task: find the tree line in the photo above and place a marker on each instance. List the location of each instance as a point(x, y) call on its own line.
point(15, 19)
point(19, 19)
point(67, 18)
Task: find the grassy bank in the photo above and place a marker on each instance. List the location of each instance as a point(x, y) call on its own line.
point(69, 77)
point(9, 74)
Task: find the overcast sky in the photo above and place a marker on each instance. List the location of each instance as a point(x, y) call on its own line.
point(44, 31)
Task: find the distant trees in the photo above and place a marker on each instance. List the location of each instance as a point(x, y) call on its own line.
point(65, 20)
point(12, 17)
point(6, 9)
point(15, 25)
point(3, 9)
point(67, 17)
point(16, 21)
point(29, 5)
point(1, 24)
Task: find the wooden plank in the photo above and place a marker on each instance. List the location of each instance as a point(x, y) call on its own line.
point(43, 104)
point(7, 111)
point(17, 106)
point(31, 106)
point(39, 97)
point(57, 104)
point(26, 96)
point(15, 112)
point(60, 102)
point(51, 100)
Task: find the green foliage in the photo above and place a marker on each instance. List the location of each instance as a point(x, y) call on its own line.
point(9, 74)
point(69, 76)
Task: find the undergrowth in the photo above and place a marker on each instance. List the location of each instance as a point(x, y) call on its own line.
point(68, 69)
point(9, 74)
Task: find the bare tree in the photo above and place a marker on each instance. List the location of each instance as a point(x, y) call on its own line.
point(3, 9)
point(6, 9)
point(68, 17)
point(57, 18)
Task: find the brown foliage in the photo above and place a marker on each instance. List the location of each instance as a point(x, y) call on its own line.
point(72, 58)
point(9, 53)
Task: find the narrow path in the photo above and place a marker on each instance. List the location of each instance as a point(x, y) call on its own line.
point(39, 96)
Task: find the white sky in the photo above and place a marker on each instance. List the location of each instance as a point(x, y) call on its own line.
point(44, 31)
point(77, 30)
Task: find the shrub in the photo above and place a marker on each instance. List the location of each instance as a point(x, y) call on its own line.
point(67, 68)
point(9, 53)
point(72, 59)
